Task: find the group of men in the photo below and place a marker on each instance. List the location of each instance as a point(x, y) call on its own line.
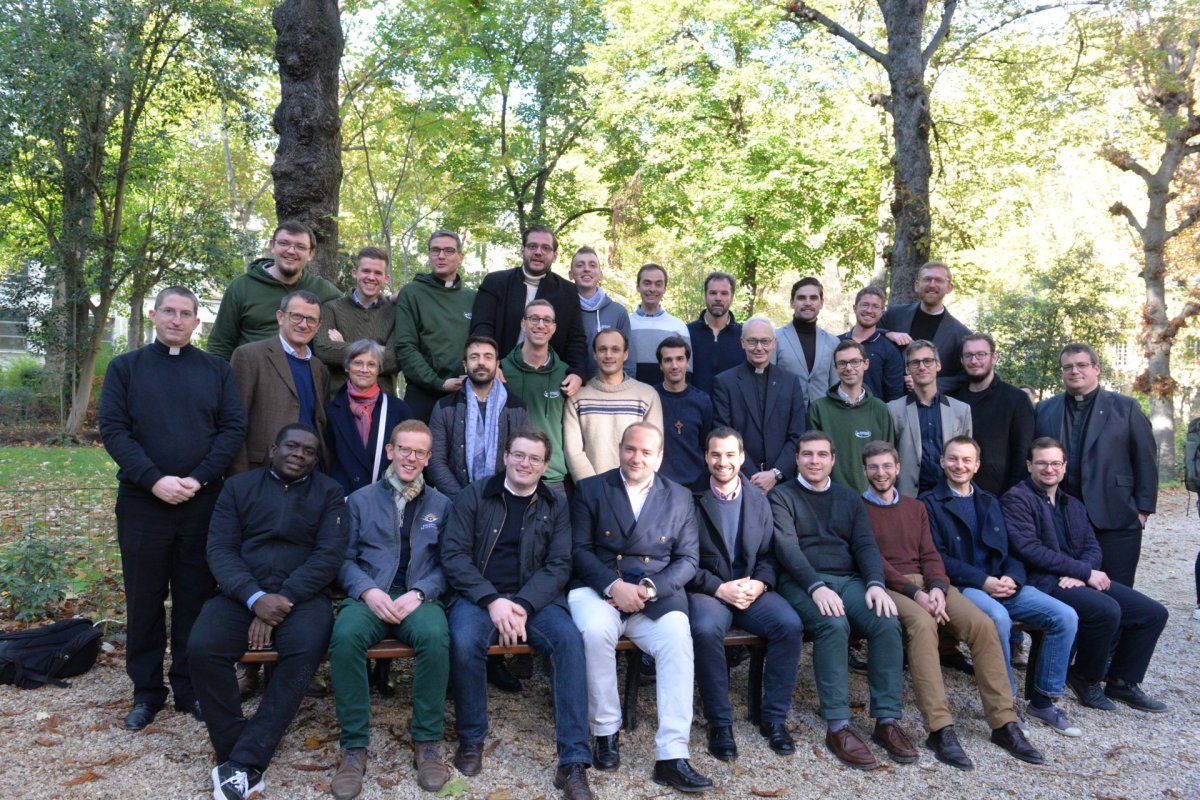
point(574, 473)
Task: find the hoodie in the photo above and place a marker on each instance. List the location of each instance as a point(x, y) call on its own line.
point(852, 428)
point(609, 314)
point(247, 312)
point(539, 389)
point(432, 321)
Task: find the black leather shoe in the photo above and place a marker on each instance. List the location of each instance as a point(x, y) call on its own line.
point(469, 758)
point(721, 744)
point(959, 662)
point(499, 676)
point(1131, 694)
point(572, 779)
point(1089, 693)
point(606, 754)
point(946, 749)
point(1009, 737)
point(141, 716)
point(190, 707)
point(678, 774)
point(778, 737)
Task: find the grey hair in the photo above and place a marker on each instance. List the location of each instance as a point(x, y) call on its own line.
point(356, 349)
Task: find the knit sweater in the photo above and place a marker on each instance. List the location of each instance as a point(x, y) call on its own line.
point(597, 416)
point(902, 533)
point(852, 428)
point(687, 419)
point(645, 334)
point(354, 322)
point(714, 352)
point(1002, 421)
point(432, 321)
point(539, 389)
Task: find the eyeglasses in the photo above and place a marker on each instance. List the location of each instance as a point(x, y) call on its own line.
point(536, 320)
point(922, 362)
point(1049, 464)
point(853, 363)
point(1081, 366)
point(302, 319)
point(977, 356)
point(284, 245)
point(756, 343)
point(437, 251)
point(409, 452)
point(540, 248)
point(532, 460)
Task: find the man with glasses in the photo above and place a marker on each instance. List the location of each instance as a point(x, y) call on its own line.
point(433, 316)
point(1111, 458)
point(716, 336)
point(364, 312)
point(534, 373)
point(503, 295)
point(925, 420)
point(885, 375)
point(247, 312)
point(765, 403)
point(281, 382)
point(394, 587)
point(850, 414)
point(928, 320)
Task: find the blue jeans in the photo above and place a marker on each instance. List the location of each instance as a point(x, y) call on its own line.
point(1040, 609)
point(552, 632)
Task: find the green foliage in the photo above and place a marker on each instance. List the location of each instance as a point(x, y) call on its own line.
point(22, 373)
point(34, 573)
point(1070, 300)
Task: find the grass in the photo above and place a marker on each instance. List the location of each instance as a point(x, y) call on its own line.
point(55, 467)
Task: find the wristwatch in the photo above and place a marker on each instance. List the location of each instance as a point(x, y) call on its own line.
point(420, 595)
point(778, 475)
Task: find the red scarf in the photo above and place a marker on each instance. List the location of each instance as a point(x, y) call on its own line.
point(361, 403)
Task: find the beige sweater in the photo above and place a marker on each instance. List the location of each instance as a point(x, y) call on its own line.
point(595, 418)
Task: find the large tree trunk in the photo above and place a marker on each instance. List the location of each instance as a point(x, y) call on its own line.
point(308, 161)
point(137, 321)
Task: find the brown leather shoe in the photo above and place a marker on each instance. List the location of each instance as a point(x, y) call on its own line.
point(469, 758)
point(432, 772)
point(889, 736)
point(850, 749)
point(347, 781)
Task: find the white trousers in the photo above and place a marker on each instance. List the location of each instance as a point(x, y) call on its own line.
point(668, 639)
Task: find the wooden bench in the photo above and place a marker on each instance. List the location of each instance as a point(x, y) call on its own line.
point(392, 649)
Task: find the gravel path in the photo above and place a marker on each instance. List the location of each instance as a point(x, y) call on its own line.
point(68, 743)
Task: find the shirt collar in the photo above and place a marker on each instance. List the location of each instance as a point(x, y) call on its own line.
point(875, 500)
point(737, 490)
point(508, 488)
point(638, 310)
point(358, 301)
point(291, 351)
point(955, 493)
point(644, 490)
point(811, 488)
point(862, 396)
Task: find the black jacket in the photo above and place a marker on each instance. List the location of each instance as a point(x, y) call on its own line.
point(947, 340)
point(476, 520)
point(1002, 423)
point(287, 539)
point(447, 468)
point(500, 304)
point(1033, 538)
point(755, 540)
point(770, 441)
point(950, 533)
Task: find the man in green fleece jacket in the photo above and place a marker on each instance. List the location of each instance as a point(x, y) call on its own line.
point(247, 312)
point(535, 373)
point(433, 316)
point(850, 414)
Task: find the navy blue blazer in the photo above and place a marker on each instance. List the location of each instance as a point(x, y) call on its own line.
point(770, 442)
point(755, 540)
point(352, 460)
point(661, 545)
point(1120, 461)
point(1031, 533)
point(950, 535)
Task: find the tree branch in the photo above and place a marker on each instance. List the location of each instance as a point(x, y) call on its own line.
point(948, 9)
point(1191, 219)
point(801, 13)
point(578, 214)
point(1123, 161)
point(1121, 210)
point(970, 41)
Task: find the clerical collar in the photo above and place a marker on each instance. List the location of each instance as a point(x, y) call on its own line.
point(811, 488)
point(1081, 398)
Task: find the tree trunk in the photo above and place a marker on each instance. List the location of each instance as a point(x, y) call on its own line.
point(137, 321)
point(308, 161)
point(1157, 338)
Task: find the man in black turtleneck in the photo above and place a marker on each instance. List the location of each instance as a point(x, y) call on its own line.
point(1112, 462)
point(804, 349)
point(172, 418)
point(930, 320)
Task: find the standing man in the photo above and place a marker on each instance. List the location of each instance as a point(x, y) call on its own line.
point(281, 382)
point(715, 335)
point(885, 377)
point(630, 581)
point(503, 296)
point(247, 312)
point(732, 586)
point(1001, 416)
point(928, 604)
point(805, 349)
point(507, 553)
point(927, 319)
point(534, 374)
point(471, 426)
point(1118, 626)
point(433, 316)
point(650, 323)
point(394, 585)
point(599, 413)
point(600, 312)
point(925, 420)
point(364, 312)
point(832, 574)
point(172, 419)
point(765, 403)
point(850, 414)
point(1111, 458)
point(277, 540)
point(687, 414)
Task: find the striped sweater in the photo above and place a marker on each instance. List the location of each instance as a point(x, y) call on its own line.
point(595, 418)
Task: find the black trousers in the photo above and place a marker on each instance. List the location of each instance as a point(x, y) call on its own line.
point(1120, 623)
point(1121, 551)
point(219, 638)
point(162, 551)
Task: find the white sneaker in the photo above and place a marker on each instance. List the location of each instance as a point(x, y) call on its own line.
point(1056, 718)
point(1196, 613)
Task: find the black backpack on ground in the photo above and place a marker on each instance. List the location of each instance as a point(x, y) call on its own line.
point(37, 656)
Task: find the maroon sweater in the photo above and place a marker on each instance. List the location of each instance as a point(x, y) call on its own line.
point(906, 544)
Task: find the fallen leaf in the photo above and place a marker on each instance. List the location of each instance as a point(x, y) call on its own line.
point(1114, 752)
point(454, 788)
point(52, 723)
point(757, 792)
point(499, 794)
point(386, 783)
point(311, 767)
point(323, 786)
point(84, 778)
point(491, 748)
point(45, 741)
point(312, 743)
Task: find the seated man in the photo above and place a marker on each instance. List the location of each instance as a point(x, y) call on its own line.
point(1118, 626)
point(732, 587)
point(631, 581)
point(833, 576)
point(507, 553)
point(393, 581)
point(928, 604)
point(969, 532)
point(277, 539)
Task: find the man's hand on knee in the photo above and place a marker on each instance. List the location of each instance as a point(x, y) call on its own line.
point(272, 608)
